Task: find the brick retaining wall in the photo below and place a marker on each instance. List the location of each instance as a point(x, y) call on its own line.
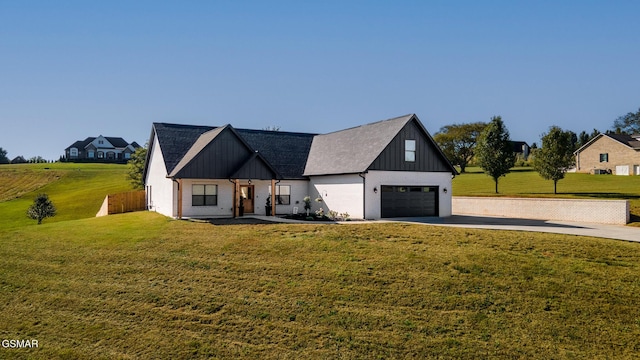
point(580, 210)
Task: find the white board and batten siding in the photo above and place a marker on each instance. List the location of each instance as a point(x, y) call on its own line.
point(160, 189)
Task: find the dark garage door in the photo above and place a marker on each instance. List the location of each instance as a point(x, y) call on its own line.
point(409, 201)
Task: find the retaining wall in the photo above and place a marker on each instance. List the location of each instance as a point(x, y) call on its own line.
point(580, 210)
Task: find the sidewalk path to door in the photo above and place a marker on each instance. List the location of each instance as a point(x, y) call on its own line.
point(617, 232)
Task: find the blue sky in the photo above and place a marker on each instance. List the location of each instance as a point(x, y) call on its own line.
point(73, 69)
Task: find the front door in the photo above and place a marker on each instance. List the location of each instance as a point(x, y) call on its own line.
point(246, 193)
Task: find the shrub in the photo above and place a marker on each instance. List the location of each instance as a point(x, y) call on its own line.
point(41, 208)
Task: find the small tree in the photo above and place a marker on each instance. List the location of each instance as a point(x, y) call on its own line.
point(494, 151)
point(41, 208)
point(136, 167)
point(556, 155)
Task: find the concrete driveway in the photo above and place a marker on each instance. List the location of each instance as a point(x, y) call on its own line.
point(617, 232)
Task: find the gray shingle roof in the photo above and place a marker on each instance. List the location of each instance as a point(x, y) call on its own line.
point(286, 152)
point(352, 150)
point(201, 142)
point(628, 140)
point(175, 140)
point(117, 142)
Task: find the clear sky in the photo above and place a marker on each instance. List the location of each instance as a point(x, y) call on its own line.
point(74, 69)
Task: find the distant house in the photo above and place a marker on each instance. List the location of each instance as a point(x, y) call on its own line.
point(19, 160)
point(390, 168)
point(521, 149)
point(100, 149)
point(610, 153)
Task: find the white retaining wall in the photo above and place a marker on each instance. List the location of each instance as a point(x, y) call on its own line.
point(580, 210)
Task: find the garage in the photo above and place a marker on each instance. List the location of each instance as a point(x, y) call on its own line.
point(409, 201)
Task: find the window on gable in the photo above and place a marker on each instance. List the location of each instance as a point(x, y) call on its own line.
point(410, 150)
point(604, 157)
point(204, 195)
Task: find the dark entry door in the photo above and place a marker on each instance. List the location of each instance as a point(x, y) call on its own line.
point(409, 201)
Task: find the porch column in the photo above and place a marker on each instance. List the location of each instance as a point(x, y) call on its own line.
point(236, 198)
point(273, 197)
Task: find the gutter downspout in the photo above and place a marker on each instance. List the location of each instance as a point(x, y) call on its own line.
point(364, 194)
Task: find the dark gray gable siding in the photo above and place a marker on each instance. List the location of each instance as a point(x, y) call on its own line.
point(428, 157)
point(254, 168)
point(218, 160)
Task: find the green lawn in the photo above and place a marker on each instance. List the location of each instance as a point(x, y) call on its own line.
point(525, 182)
point(77, 190)
point(140, 285)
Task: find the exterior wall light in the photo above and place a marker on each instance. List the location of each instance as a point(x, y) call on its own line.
point(444, 190)
point(375, 189)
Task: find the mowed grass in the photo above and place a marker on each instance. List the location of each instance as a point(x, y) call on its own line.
point(143, 286)
point(525, 182)
point(77, 190)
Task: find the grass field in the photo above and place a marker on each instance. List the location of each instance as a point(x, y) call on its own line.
point(142, 286)
point(111, 288)
point(77, 190)
point(525, 182)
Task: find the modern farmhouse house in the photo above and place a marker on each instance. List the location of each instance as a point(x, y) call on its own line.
point(390, 168)
point(610, 153)
point(100, 149)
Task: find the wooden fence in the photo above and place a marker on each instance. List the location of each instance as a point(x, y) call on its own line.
point(123, 202)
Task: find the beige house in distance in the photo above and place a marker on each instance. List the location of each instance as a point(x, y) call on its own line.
point(617, 154)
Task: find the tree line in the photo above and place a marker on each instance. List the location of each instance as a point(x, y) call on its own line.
point(489, 146)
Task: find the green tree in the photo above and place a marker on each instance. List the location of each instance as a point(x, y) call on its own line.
point(41, 208)
point(494, 152)
point(136, 167)
point(458, 142)
point(628, 124)
point(3, 156)
point(555, 156)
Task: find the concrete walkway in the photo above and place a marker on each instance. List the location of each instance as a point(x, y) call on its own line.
point(617, 232)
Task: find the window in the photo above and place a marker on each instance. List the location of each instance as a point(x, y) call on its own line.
point(127, 156)
point(91, 154)
point(100, 155)
point(204, 195)
point(73, 152)
point(604, 157)
point(283, 195)
point(410, 150)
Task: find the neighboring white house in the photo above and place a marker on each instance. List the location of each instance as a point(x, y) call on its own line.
point(390, 168)
point(101, 149)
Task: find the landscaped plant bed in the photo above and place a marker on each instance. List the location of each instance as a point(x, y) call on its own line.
point(304, 217)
